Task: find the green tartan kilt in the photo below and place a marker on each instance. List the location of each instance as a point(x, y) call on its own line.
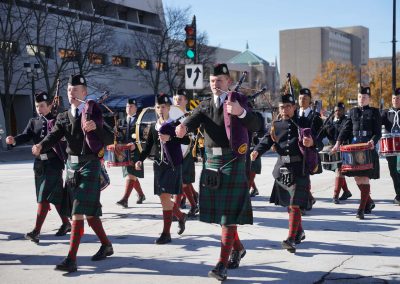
point(188, 170)
point(85, 198)
point(131, 169)
point(230, 203)
point(166, 179)
point(48, 181)
point(293, 195)
point(255, 166)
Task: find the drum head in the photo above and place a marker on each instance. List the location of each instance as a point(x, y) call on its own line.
point(146, 118)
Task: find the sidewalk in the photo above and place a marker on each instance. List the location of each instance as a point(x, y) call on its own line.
point(16, 154)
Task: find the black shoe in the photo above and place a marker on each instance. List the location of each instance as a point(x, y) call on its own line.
point(183, 203)
point(289, 245)
point(254, 192)
point(360, 214)
point(67, 264)
point(163, 239)
point(335, 200)
point(219, 272)
point(181, 224)
point(140, 199)
point(64, 229)
point(299, 237)
point(193, 211)
point(235, 257)
point(397, 200)
point(123, 203)
point(369, 207)
point(313, 200)
point(345, 195)
point(33, 236)
point(104, 251)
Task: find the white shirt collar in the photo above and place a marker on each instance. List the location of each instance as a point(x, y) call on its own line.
point(306, 112)
point(222, 98)
point(80, 108)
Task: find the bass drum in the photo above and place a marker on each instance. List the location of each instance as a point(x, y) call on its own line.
point(148, 117)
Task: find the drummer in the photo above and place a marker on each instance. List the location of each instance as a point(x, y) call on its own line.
point(167, 166)
point(188, 169)
point(364, 125)
point(331, 131)
point(126, 127)
point(388, 117)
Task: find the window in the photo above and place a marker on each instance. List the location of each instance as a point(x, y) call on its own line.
point(96, 58)
point(120, 61)
point(69, 54)
point(33, 50)
point(143, 64)
point(9, 46)
point(162, 66)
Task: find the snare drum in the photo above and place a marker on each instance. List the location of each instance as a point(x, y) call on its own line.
point(356, 157)
point(118, 155)
point(389, 145)
point(330, 161)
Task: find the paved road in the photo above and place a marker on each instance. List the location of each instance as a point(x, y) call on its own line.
point(338, 247)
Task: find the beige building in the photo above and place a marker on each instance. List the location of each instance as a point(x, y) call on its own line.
point(303, 51)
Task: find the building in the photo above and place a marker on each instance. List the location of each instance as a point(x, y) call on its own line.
point(303, 51)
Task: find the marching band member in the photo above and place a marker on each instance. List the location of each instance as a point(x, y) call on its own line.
point(388, 119)
point(127, 127)
point(224, 196)
point(188, 170)
point(291, 180)
point(364, 125)
point(167, 166)
point(48, 167)
point(331, 131)
point(82, 127)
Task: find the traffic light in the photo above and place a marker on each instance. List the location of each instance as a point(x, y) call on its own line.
point(190, 40)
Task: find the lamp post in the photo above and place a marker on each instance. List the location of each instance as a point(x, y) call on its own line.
point(32, 73)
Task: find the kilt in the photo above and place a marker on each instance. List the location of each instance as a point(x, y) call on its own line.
point(85, 198)
point(166, 179)
point(373, 173)
point(49, 180)
point(255, 166)
point(294, 195)
point(188, 171)
point(230, 203)
point(131, 169)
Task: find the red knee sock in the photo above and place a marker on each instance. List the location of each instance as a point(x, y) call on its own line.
point(178, 198)
point(294, 221)
point(177, 213)
point(64, 218)
point(252, 176)
point(137, 187)
point(189, 195)
point(75, 238)
point(167, 217)
point(195, 194)
point(43, 209)
point(237, 244)
point(227, 240)
point(336, 191)
point(365, 190)
point(97, 226)
point(344, 184)
point(128, 188)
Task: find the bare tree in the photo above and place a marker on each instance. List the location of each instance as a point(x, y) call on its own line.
point(11, 71)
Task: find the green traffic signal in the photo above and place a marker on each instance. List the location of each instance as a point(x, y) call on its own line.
point(190, 53)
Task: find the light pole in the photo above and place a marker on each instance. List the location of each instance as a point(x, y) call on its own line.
point(32, 72)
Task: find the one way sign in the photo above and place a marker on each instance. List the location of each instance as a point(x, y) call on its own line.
point(194, 76)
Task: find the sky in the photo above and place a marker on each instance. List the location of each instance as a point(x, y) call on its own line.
point(231, 23)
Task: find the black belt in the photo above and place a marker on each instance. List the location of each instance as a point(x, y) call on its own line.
point(362, 133)
point(218, 151)
point(46, 156)
point(291, 159)
point(82, 158)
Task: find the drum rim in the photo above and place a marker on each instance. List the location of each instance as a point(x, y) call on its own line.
point(355, 147)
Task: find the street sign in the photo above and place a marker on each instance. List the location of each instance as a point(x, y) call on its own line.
point(194, 76)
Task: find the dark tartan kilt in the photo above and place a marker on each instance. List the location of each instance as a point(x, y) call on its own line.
point(230, 203)
point(294, 195)
point(166, 179)
point(85, 198)
point(131, 169)
point(48, 180)
point(188, 170)
point(373, 173)
point(255, 166)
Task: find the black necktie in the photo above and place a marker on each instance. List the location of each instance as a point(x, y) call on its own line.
point(76, 113)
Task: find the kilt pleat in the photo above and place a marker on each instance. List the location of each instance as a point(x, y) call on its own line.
point(131, 169)
point(255, 166)
point(230, 203)
point(49, 183)
point(166, 179)
point(293, 195)
point(188, 169)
